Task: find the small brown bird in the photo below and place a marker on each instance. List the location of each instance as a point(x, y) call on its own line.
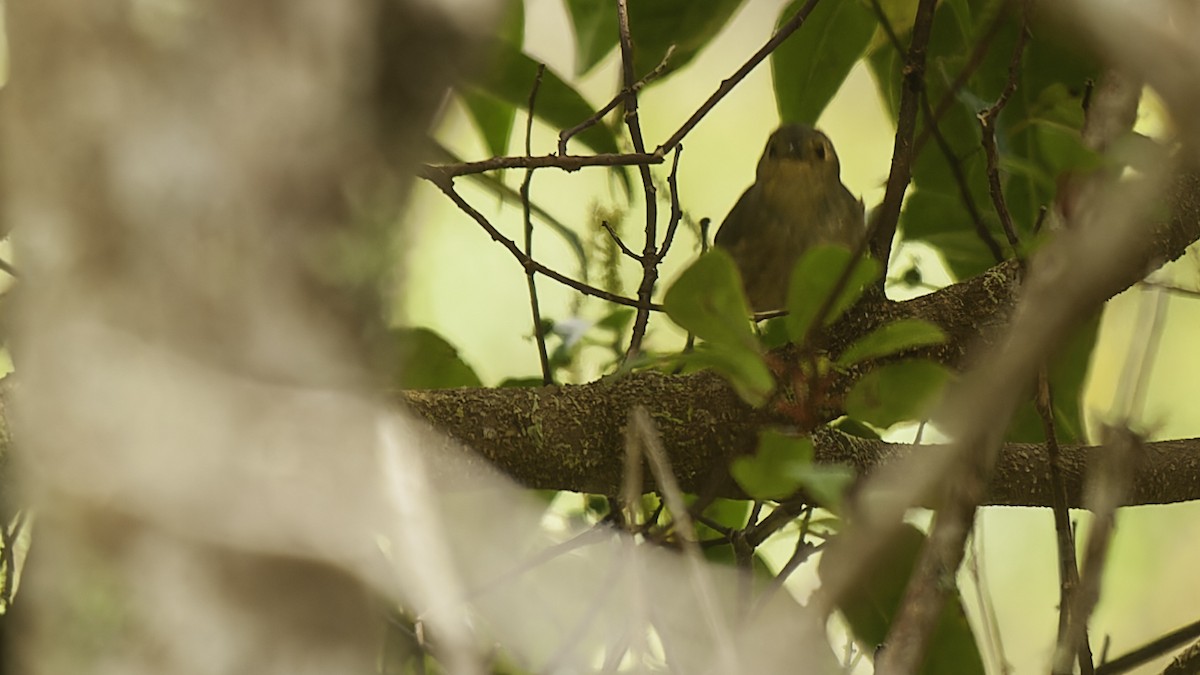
point(797, 202)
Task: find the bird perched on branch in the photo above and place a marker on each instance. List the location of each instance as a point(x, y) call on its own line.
point(797, 202)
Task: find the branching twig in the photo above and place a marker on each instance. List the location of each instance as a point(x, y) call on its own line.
point(538, 333)
point(987, 122)
point(617, 240)
point(1151, 650)
point(439, 172)
point(447, 188)
point(1068, 568)
point(676, 209)
point(740, 74)
point(883, 227)
point(931, 128)
point(591, 121)
point(1110, 489)
point(650, 257)
point(973, 62)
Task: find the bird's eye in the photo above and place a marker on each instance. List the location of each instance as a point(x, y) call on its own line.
point(771, 153)
point(819, 151)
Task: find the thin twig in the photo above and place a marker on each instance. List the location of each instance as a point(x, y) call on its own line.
point(931, 128)
point(740, 74)
point(968, 69)
point(617, 240)
point(650, 258)
point(987, 121)
point(506, 193)
point(437, 172)
point(883, 226)
point(676, 210)
point(1110, 489)
point(538, 334)
point(447, 188)
point(8, 269)
point(1068, 567)
point(1151, 650)
point(591, 121)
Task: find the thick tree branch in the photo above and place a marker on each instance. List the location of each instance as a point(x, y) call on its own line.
point(570, 437)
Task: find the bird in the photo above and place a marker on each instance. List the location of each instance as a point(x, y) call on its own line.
point(797, 202)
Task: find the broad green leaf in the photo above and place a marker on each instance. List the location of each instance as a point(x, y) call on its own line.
point(617, 320)
point(493, 117)
point(892, 338)
point(940, 219)
point(509, 76)
point(815, 278)
point(425, 360)
point(811, 65)
point(896, 392)
point(827, 484)
point(656, 25)
point(773, 472)
point(783, 464)
point(595, 25)
point(745, 369)
point(707, 300)
point(869, 606)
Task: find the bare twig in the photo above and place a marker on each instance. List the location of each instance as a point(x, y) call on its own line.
point(1152, 650)
point(8, 269)
point(987, 121)
point(447, 188)
point(931, 128)
point(883, 226)
point(676, 210)
point(538, 333)
point(1068, 568)
point(1109, 490)
point(437, 172)
point(740, 74)
point(617, 240)
point(973, 62)
point(566, 135)
point(650, 257)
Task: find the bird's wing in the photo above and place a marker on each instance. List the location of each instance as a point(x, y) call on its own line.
point(734, 227)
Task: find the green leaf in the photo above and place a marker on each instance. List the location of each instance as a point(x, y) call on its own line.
point(896, 392)
point(492, 117)
point(810, 66)
point(656, 25)
point(783, 464)
point(827, 484)
point(814, 279)
point(745, 369)
point(707, 300)
point(509, 77)
point(595, 25)
point(774, 470)
point(939, 218)
point(891, 338)
point(425, 360)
